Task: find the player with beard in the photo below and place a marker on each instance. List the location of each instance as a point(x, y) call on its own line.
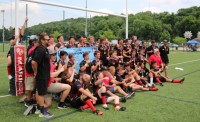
point(41, 69)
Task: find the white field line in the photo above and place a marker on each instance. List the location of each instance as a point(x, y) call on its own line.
point(5, 96)
point(169, 65)
point(185, 62)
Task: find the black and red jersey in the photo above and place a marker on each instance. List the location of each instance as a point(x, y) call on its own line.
point(70, 63)
point(143, 72)
point(99, 68)
point(113, 62)
point(75, 88)
point(88, 68)
point(119, 49)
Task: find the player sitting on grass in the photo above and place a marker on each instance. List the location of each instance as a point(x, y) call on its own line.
point(112, 85)
point(129, 81)
point(145, 75)
point(100, 93)
point(54, 87)
point(81, 97)
point(159, 77)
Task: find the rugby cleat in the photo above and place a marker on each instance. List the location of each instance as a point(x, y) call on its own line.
point(97, 112)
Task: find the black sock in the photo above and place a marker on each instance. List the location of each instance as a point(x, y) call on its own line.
point(60, 103)
point(41, 108)
point(103, 94)
point(130, 89)
point(38, 106)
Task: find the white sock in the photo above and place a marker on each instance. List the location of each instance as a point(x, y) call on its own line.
point(105, 105)
point(151, 81)
point(9, 77)
point(117, 107)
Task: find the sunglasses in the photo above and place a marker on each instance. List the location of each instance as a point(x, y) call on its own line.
point(46, 39)
point(53, 54)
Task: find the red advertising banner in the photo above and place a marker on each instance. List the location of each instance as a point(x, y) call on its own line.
point(19, 51)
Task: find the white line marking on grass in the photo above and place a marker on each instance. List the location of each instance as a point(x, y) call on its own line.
point(185, 62)
point(5, 96)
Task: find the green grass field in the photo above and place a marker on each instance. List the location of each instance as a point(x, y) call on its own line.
point(173, 102)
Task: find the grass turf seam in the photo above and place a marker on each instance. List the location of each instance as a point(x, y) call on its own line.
point(187, 74)
point(172, 98)
point(60, 116)
point(2, 106)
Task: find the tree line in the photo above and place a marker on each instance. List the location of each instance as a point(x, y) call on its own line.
point(146, 25)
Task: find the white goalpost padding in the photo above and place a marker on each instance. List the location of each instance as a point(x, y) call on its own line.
point(69, 7)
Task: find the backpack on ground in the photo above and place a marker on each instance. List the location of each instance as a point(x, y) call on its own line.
point(28, 65)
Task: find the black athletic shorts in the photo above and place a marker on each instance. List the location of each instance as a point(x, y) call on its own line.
point(41, 87)
point(77, 102)
point(165, 60)
point(99, 101)
point(161, 79)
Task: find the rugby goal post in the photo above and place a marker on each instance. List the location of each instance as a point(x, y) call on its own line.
point(69, 7)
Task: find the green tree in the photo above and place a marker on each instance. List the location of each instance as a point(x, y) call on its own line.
point(55, 34)
point(165, 35)
point(179, 40)
point(108, 34)
point(189, 23)
point(146, 25)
